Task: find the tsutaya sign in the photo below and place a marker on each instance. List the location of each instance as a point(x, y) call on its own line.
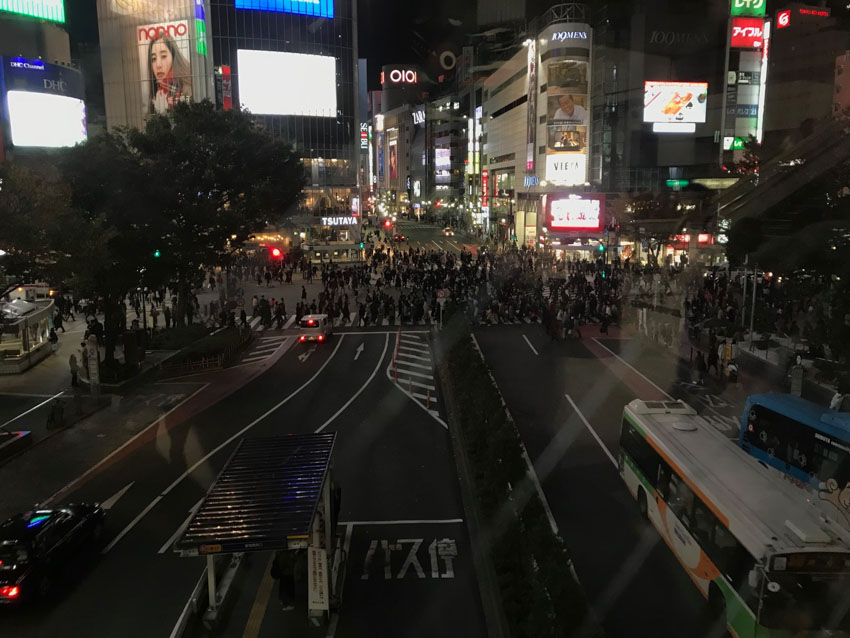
point(338, 221)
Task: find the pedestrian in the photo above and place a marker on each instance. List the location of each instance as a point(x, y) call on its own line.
point(54, 339)
point(75, 371)
point(303, 293)
point(166, 314)
point(243, 318)
point(283, 570)
point(57, 321)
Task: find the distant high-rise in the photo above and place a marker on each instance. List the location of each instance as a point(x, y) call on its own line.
point(493, 12)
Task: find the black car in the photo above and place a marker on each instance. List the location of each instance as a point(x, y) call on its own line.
point(37, 545)
point(399, 237)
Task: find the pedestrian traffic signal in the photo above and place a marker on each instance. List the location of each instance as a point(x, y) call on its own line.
point(361, 245)
point(276, 253)
point(601, 248)
point(388, 223)
point(157, 254)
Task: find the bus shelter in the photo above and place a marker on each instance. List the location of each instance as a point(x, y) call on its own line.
point(275, 493)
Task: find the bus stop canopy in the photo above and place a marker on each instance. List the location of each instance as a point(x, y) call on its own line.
point(264, 499)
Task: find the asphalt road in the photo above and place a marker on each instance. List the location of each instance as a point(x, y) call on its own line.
point(430, 237)
point(392, 459)
point(633, 580)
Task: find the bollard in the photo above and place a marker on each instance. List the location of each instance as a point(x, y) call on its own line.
point(395, 373)
point(428, 398)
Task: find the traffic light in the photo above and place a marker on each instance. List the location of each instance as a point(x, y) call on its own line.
point(157, 254)
point(601, 248)
point(361, 245)
point(276, 252)
point(388, 223)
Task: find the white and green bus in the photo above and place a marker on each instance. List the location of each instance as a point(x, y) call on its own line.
point(763, 557)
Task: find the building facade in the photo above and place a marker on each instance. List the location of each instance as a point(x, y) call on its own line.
point(294, 67)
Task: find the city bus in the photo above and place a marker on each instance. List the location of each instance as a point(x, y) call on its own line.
point(768, 564)
point(798, 437)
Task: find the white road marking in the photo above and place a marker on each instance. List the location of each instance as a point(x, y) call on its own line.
point(289, 322)
point(182, 527)
point(363, 387)
point(418, 349)
point(375, 332)
point(437, 245)
point(415, 374)
point(109, 503)
point(94, 467)
point(360, 350)
point(438, 521)
point(638, 372)
point(217, 449)
point(415, 365)
point(25, 394)
point(256, 359)
point(306, 355)
point(36, 407)
point(530, 346)
point(413, 356)
point(592, 431)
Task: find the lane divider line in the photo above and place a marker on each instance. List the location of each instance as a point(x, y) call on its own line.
point(363, 387)
point(217, 449)
point(635, 370)
point(592, 431)
point(531, 346)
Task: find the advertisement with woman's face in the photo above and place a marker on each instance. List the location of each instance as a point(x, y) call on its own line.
point(164, 52)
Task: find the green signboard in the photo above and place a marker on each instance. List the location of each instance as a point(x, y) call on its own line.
point(753, 8)
point(45, 9)
point(677, 183)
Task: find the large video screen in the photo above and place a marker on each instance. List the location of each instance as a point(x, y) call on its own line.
point(279, 83)
point(165, 64)
point(576, 213)
point(45, 9)
point(44, 119)
point(683, 102)
point(320, 8)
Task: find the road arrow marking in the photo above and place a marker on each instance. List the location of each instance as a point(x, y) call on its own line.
point(180, 529)
point(359, 351)
point(306, 355)
point(109, 503)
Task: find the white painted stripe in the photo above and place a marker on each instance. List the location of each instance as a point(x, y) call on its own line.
point(635, 370)
point(266, 348)
point(411, 336)
point(35, 407)
point(424, 521)
point(183, 619)
point(289, 322)
point(424, 397)
point(415, 383)
point(180, 529)
point(415, 365)
point(220, 447)
point(592, 431)
point(437, 245)
point(529, 345)
point(421, 375)
point(255, 359)
point(363, 387)
point(278, 338)
point(25, 394)
point(373, 332)
point(94, 467)
point(413, 356)
point(417, 349)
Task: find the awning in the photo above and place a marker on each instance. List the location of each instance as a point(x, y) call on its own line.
point(264, 499)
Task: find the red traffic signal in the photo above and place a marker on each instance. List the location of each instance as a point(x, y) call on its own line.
point(276, 253)
point(388, 223)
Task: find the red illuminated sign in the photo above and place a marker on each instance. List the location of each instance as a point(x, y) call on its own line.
point(783, 19)
point(820, 13)
point(485, 187)
point(226, 89)
point(173, 30)
point(747, 33)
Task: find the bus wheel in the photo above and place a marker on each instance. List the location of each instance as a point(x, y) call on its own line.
point(642, 505)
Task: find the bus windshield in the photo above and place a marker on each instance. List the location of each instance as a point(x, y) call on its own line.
point(807, 602)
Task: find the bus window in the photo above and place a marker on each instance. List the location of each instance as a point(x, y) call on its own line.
point(830, 461)
point(703, 527)
point(681, 500)
point(768, 431)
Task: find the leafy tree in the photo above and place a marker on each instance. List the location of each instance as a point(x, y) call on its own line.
point(34, 214)
point(210, 179)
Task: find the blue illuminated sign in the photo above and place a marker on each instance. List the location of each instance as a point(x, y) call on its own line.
point(320, 8)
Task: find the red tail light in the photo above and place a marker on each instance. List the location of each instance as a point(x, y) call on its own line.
point(10, 592)
point(311, 322)
point(303, 338)
point(321, 337)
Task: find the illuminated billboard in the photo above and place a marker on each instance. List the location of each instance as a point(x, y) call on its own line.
point(753, 8)
point(576, 213)
point(45, 9)
point(319, 8)
point(747, 33)
point(45, 119)
point(164, 59)
point(567, 105)
point(281, 83)
point(683, 102)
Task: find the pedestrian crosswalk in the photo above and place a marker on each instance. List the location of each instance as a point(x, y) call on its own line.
point(264, 348)
point(412, 370)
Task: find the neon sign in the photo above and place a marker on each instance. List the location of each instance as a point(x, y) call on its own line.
point(320, 8)
point(401, 76)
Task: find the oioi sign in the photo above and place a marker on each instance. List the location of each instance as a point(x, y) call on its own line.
point(754, 8)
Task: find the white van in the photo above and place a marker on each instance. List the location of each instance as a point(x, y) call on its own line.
point(315, 328)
